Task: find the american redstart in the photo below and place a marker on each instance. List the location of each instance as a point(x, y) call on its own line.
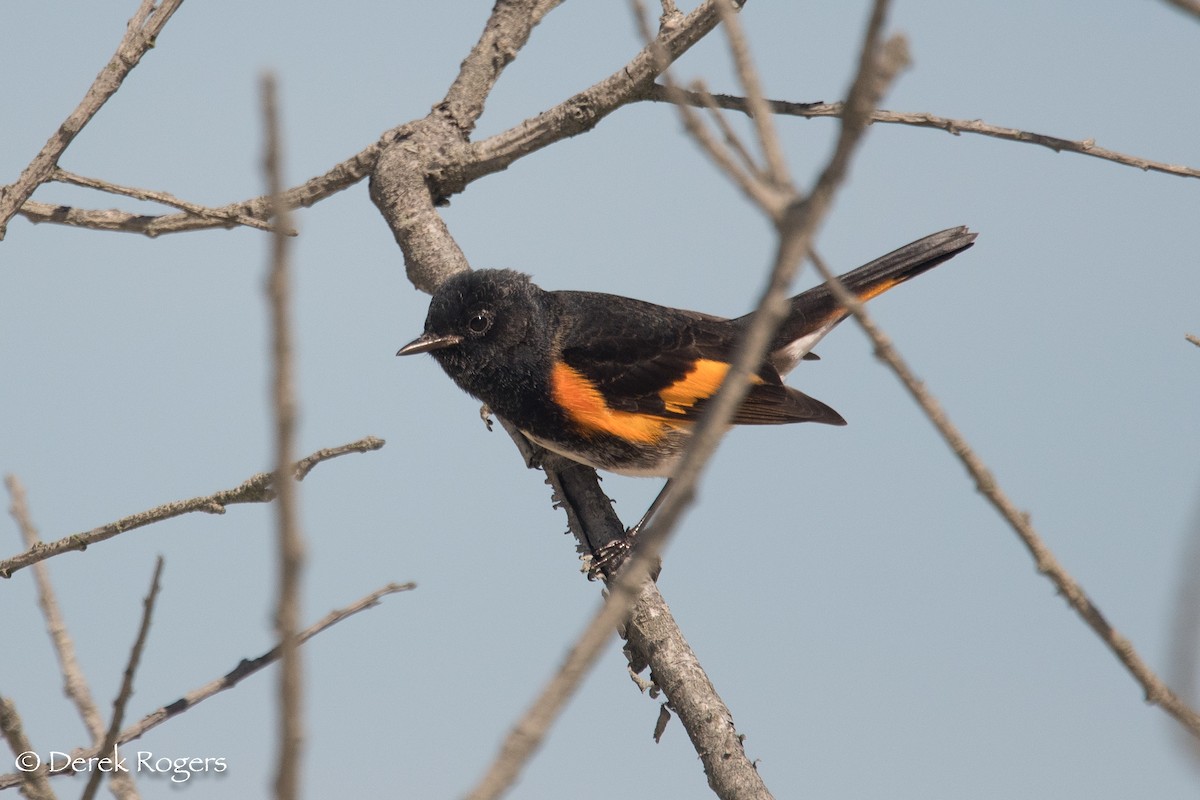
point(617, 383)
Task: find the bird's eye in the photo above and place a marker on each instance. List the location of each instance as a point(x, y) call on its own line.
point(479, 322)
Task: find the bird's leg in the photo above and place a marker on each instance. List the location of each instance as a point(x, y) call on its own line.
point(608, 559)
point(658, 501)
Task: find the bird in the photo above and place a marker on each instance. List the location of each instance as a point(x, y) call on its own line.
point(618, 384)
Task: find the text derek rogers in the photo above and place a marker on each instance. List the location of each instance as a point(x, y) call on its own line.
point(179, 769)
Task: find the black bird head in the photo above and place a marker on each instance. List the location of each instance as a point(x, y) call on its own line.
point(476, 325)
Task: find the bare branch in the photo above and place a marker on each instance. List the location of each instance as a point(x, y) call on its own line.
point(748, 78)
point(126, 691)
point(245, 668)
point(32, 780)
point(750, 179)
point(140, 36)
point(506, 32)
point(340, 176)
point(649, 622)
point(1087, 147)
point(283, 402)
point(222, 217)
point(364, 445)
point(1156, 691)
point(585, 110)
point(727, 133)
point(571, 117)
point(255, 489)
point(422, 162)
point(75, 684)
point(1193, 338)
point(426, 161)
point(733, 158)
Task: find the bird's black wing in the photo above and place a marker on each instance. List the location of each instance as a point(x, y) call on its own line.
point(649, 359)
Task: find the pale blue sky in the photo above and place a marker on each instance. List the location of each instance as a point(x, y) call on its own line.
point(875, 629)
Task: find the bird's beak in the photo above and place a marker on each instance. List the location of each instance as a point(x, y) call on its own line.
point(428, 341)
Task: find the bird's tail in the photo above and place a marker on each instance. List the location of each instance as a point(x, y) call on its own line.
point(816, 311)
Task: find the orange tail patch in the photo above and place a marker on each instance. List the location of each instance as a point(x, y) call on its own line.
point(699, 384)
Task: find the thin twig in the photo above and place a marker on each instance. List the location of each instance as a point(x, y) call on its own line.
point(283, 403)
point(1087, 147)
point(739, 48)
point(364, 445)
point(226, 217)
point(727, 133)
point(1156, 691)
point(245, 668)
point(33, 776)
point(732, 158)
point(255, 489)
point(1193, 338)
point(140, 36)
point(75, 684)
point(758, 191)
point(126, 691)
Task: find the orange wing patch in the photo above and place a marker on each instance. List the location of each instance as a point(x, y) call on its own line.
point(699, 384)
point(586, 407)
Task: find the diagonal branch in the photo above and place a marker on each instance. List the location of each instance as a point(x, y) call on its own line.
point(506, 32)
point(419, 164)
point(33, 776)
point(768, 140)
point(126, 691)
point(255, 489)
point(140, 36)
point(1156, 691)
point(244, 669)
point(75, 685)
point(585, 110)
